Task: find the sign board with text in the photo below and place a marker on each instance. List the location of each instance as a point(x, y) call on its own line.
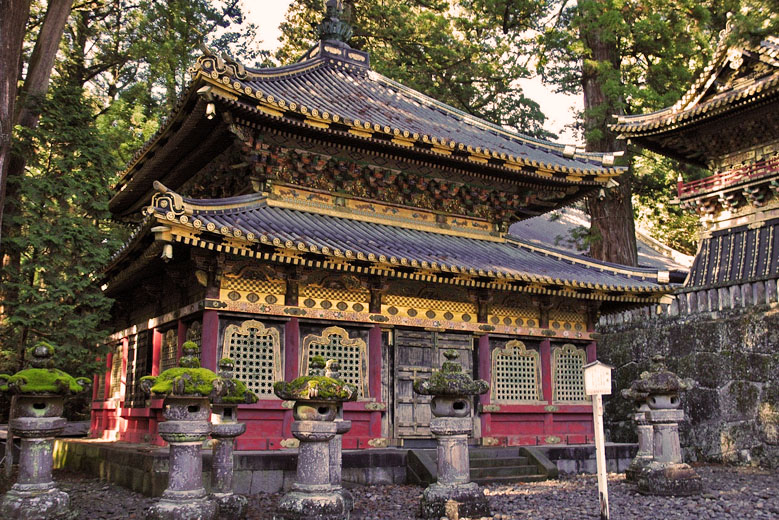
point(597, 378)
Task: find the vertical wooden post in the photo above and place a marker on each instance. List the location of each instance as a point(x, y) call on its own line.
point(374, 376)
point(108, 364)
point(591, 352)
point(600, 454)
point(597, 381)
point(545, 349)
point(210, 339)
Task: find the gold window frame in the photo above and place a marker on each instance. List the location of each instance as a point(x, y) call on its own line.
point(244, 330)
point(346, 341)
point(515, 348)
point(557, 352)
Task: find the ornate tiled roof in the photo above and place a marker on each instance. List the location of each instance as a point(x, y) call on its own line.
point(333, 95)
point(255, 225)
point(712, 94)
point(334, 88)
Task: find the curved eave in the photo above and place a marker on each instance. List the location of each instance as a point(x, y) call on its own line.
point(206, 224)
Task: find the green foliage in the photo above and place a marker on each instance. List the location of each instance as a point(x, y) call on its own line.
point(41, 381)
point(62, 235)
point(197, 381)
point(653, 194)
point(448, 50)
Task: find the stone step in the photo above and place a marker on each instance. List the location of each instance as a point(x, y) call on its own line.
point(503, 471)
point(509, 480)
point(483, 462)
point(492, 453)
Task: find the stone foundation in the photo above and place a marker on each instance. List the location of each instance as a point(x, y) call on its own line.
point(733, 413)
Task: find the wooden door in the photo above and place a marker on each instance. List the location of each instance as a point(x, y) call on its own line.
point(417, 354)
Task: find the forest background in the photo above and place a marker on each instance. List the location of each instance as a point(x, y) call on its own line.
point(84, 83)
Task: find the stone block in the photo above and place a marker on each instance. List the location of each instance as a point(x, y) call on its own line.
point(738, 401)
point(267, 481)
point(242, 482)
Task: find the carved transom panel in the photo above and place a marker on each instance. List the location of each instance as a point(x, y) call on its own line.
point(256, 351)
point(515, 374)
point(568, 372)
point(351, 353)
point(195, 333)
point(169, 350)
point(116, 372)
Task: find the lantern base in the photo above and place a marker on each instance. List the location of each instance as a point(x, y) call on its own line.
point(669, 480)
point(177, 506)
point(230, 506)
point(297, 505)
point(454, 501)
point(50, 504)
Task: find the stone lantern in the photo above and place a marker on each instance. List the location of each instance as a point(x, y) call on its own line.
point(37, 404)
point(317, 399)
point(187, 412)
point(645, 435)
point(452, 392)
point(224, 429)
point(665, 473)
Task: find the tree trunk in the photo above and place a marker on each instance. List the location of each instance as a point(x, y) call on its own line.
point(612, 230)
point(27, 107)
point(13, 19)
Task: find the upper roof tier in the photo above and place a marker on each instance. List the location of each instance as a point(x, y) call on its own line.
point(333, 96)
point(700, 128)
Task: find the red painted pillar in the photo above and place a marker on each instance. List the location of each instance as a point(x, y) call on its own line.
point(291, 361)
point(485, 372)
point(210, 338)
point(374, 377)
point(156, 351)
point(125, 363)
point(591, 352)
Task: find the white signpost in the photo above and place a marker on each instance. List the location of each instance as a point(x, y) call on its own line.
point(597, 381)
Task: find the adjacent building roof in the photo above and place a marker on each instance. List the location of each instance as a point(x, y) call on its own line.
point(736, 77)
point(252, 224)
point(557, 230)
point(737, 255)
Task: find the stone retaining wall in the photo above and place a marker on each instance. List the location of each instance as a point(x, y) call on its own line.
point(144, 468)
point(733, 354)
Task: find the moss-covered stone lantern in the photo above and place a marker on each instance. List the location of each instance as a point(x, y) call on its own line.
point(224, 429)
point(186, 409)
point(36, 417)
point(665, 473)
point(452, 392)
point(317, 399)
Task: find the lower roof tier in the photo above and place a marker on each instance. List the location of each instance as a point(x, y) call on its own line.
point(254, 224)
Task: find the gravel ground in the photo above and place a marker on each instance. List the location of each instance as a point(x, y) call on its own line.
point(729, 492)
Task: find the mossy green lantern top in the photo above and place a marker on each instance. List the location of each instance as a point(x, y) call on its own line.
point(451, 388)
point(189, 379)
point(659, 388)
point(41, 378)
point(321, 387)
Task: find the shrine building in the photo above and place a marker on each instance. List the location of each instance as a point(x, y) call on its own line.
point(727, 122)
point(321, 208)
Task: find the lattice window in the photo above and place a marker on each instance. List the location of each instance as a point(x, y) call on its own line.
point(256, 351)
point(351, 353)
point(169, 350)
point(116, 372)
point(567, 365)
point(195, 333)
point(515, 373)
